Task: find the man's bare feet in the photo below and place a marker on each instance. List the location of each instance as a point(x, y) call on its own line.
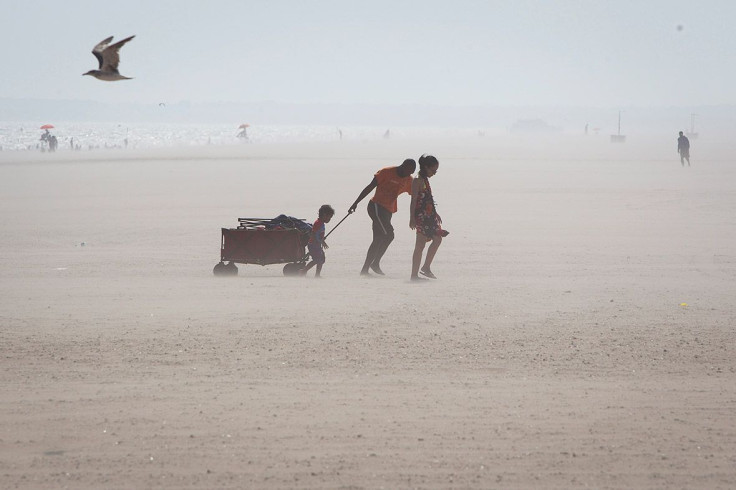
point(377, 270)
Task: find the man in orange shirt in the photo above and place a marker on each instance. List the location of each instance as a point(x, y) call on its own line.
point(389, 183)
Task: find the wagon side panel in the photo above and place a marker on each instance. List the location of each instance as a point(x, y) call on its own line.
point(262, 246)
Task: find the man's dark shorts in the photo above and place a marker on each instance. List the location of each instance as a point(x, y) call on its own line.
point(381, 220)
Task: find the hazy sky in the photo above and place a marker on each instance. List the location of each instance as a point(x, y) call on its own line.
point(459, 52)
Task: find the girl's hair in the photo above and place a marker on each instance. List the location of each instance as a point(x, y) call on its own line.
point(426, 161)
point(326, 210)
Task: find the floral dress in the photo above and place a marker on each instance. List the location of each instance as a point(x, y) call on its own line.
point(427, 221)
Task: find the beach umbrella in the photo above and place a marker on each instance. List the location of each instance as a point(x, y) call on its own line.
point(47, 126)
point(243, 126)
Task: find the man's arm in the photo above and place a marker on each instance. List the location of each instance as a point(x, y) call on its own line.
point(364, 193)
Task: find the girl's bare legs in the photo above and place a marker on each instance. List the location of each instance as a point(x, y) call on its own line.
point(416, 259)
point(431, 251)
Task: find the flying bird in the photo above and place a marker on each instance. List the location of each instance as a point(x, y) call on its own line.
point(109, 59)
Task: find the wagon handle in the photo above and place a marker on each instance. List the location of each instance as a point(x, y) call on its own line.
point(338, 224)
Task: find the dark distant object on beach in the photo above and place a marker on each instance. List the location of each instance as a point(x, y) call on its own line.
point(680, 27)
point(618, 138)
point(532, 126)
point(109, 59)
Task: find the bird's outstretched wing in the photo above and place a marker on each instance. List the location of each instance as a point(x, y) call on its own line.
point(109, 56)
point(97, 50)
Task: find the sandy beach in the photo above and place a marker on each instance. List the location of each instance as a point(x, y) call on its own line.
point(580, 333)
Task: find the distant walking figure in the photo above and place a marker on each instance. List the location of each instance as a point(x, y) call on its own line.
point(683, 148)
point(109, 59)
point(389, 183)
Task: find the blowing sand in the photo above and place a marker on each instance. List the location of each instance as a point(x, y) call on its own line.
point(580, 334)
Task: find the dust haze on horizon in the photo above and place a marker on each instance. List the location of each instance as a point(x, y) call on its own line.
point(466, 53)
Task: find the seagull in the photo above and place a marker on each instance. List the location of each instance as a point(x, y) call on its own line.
point(109, 59)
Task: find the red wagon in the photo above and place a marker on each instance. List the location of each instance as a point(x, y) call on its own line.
point(281, 240)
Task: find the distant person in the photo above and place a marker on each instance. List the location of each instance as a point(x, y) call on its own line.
point(53, 143)
point(317, 244)
point(586, 128)
point(683, 148)
point(387, 134)
point(424, 218)
point(389, 182)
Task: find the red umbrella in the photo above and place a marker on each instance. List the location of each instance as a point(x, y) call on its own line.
point(47, 126)
point(244, 125)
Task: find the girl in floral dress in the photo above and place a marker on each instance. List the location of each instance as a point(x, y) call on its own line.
point(424, 218)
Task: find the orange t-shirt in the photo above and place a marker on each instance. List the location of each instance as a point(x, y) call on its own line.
point(390, 185)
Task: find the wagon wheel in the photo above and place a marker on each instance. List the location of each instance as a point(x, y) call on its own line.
point(223, 269)
point(293, 269)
